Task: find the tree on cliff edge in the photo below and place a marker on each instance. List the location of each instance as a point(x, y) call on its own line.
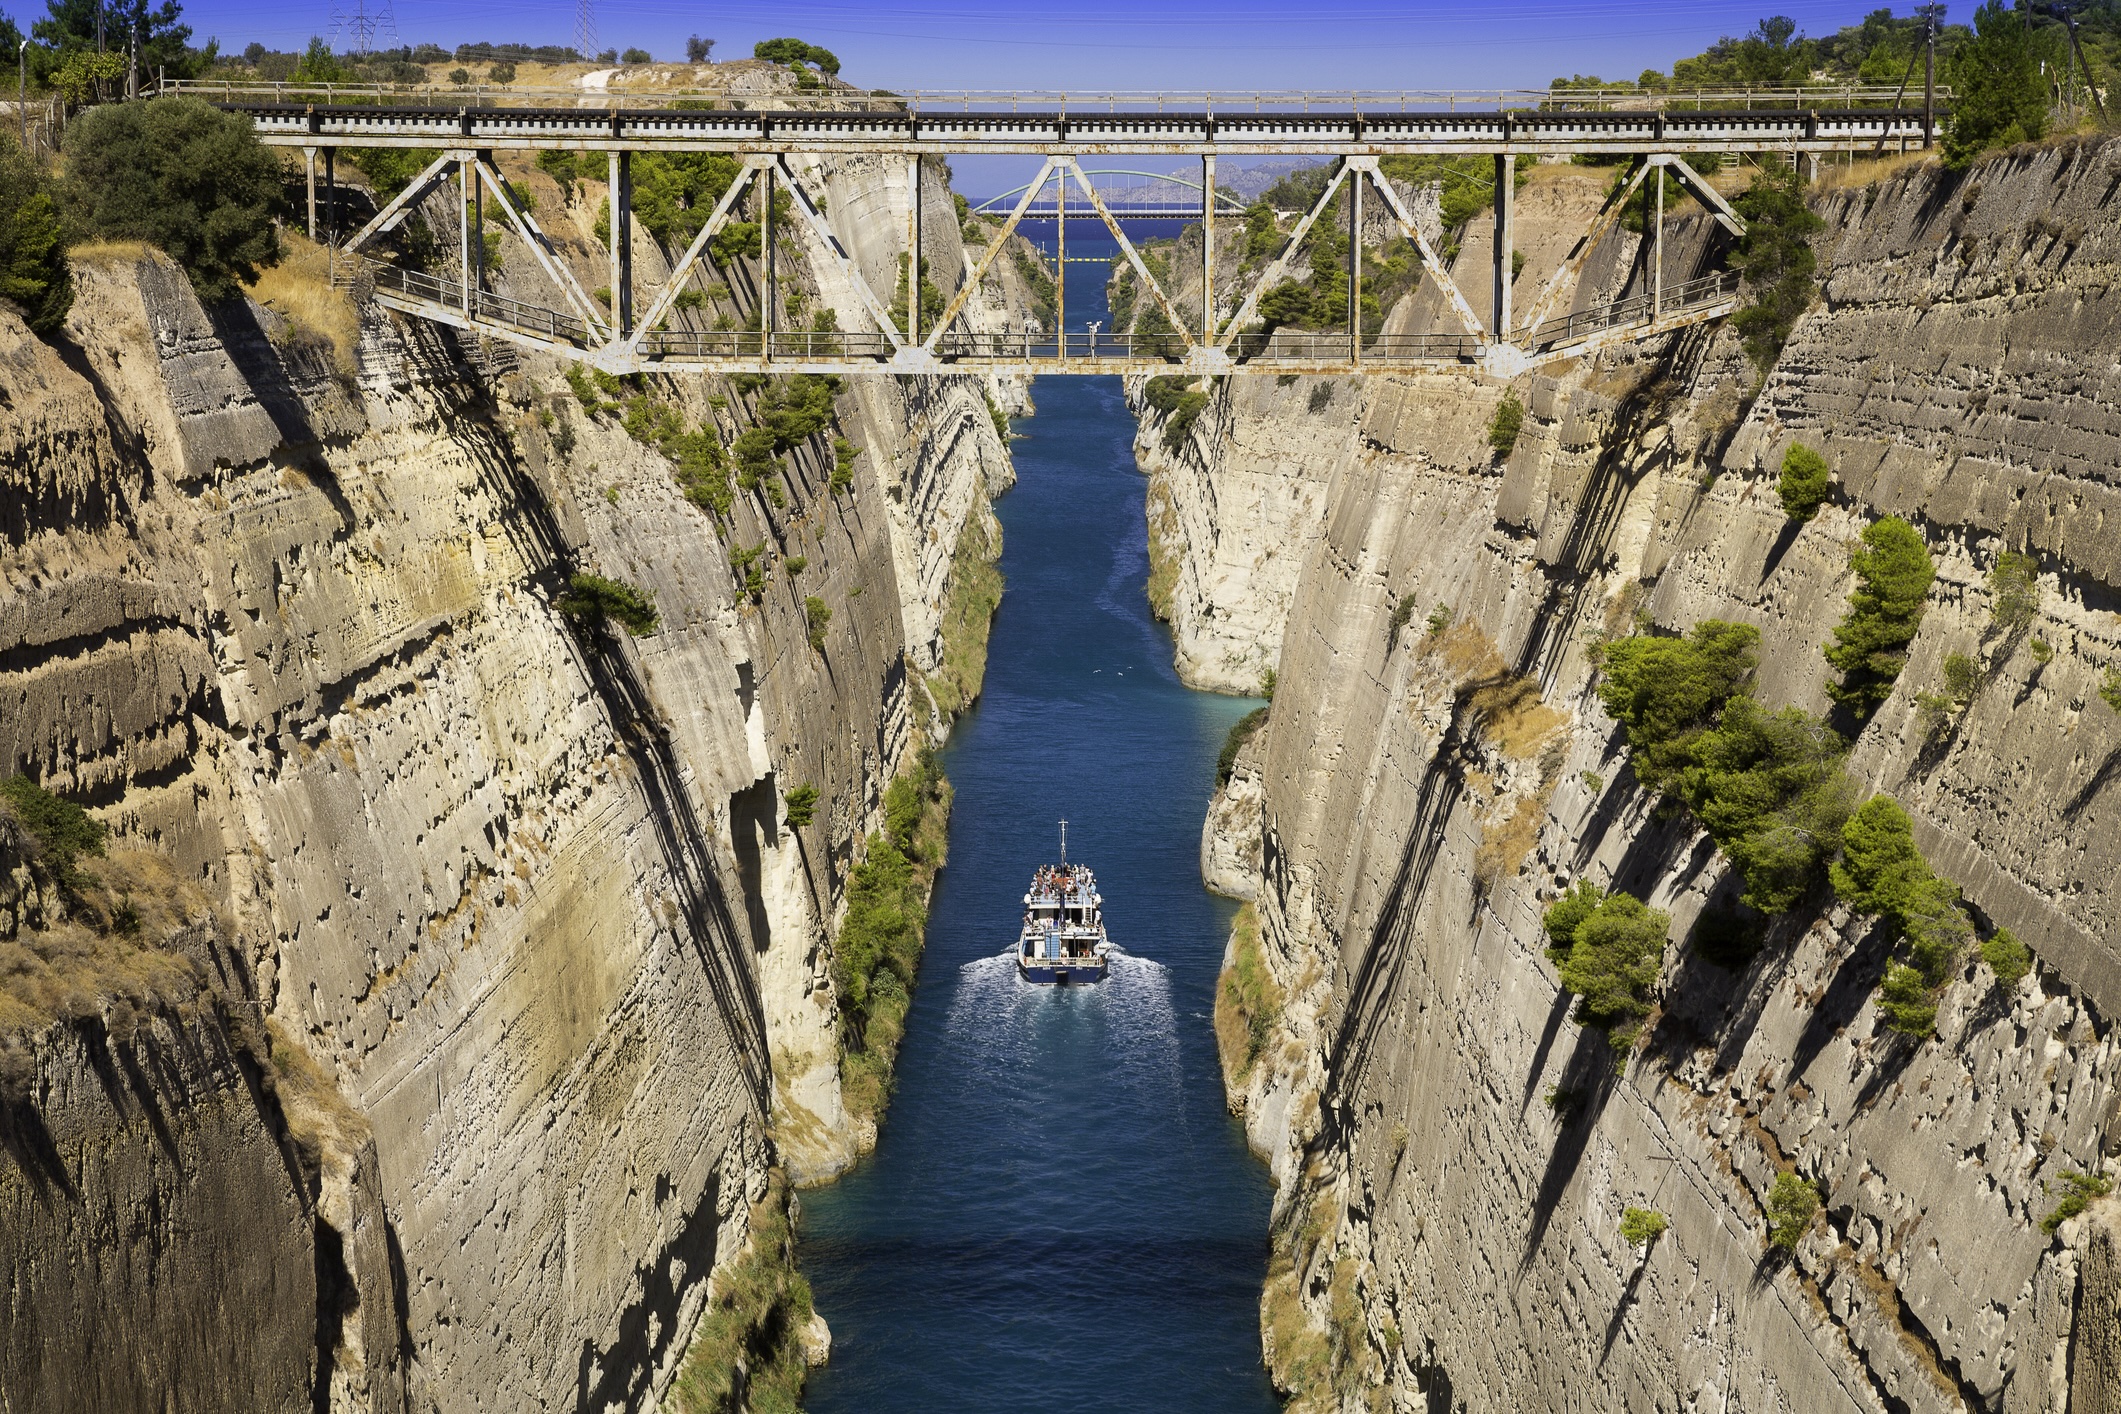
point(34, 274)
point(178, 174)
point(1999, 96)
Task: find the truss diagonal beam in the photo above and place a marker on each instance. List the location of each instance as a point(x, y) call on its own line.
point(682, 271)
point(994, 248)
point(1707, 195)
point(415, 192)
point(1274, 273)
point(815, 219)
point(1133, 256)
point(533, 236)
point(1564, 277)
point(1429, 262)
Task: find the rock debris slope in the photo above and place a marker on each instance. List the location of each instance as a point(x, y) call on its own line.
point(1455, 1153)
point(519, 895)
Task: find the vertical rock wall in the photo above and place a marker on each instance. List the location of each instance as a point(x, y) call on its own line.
point(524, 890)
point(1454, 1152)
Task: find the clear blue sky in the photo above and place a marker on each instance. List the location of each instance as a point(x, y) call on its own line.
point(1232, 44)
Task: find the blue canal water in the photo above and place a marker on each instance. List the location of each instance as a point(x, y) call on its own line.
point(1060, 1215)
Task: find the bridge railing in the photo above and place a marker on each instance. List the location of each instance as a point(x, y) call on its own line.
point(1610, 99)
point(1637, 309)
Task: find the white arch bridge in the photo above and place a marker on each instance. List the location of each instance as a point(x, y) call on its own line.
point(1217, 335)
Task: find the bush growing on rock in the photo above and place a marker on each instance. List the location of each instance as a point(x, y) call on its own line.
point(1893, 576)
point(179, 174)
point(1505, 426)
point(591, 599)
point(1792, 1204)
point(2078, 1191)
point(1777, 260)
point(1771, 789)
point(1641, 1226)
point(34, 274)
point(1181, 404)
point(1613, 954)
point(1882, 872)
point(802, 805)
point(816, 614)
point(63, 831)
point(1667, 692)
point(2014, 589)
point(2008, 958)
point(1241, 731)
point(1804, 484)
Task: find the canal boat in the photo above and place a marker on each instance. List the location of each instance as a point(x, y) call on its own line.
point(1063, 939)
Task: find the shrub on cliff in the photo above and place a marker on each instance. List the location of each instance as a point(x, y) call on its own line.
point(2078, 1191)
point(1667, 692)
point(2008, 958)
point(1893, 575)
point(1248, 1000)
point(1882, 872)
point(1641, 1226)
point(1999, 92)
point(1615, 953)
point(591, 599)
point(182, 175)
point(1792, 1204)
point(1241, 731)
point(816, 614)
point(63, 831)
point(1180, 403)
point(802, 805)
point(2014, 589)
point(1504, 426)
point(1777, 260)
point(34, 274)
point(878, 949)
point(1804, 484)
point(1771, 789)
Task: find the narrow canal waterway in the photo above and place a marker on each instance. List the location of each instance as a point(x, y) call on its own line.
point(1061, 1215)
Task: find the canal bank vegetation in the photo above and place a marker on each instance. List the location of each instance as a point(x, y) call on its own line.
point(747, 1353)
point(878, 952)
point(1248, 1001)
point(968, 615)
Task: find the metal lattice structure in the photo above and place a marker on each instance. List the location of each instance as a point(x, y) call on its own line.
point(774, 149)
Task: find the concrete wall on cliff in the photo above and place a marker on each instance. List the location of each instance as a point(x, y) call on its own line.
point(523, 890)
point(1455, 1153)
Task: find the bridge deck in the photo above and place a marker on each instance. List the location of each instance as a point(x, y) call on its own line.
point(1348, 133)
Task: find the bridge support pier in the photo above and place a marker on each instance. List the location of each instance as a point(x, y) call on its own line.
point(309, 162)
point(1505, 237)
point(621, 228)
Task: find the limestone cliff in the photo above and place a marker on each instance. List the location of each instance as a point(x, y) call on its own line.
point(519, 888)
point(1454, 1152)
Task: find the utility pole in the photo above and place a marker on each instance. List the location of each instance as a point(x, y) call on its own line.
point(2067, 11)
point(1931, 15)
point(22, 90)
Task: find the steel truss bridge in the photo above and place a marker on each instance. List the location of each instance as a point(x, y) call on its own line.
point(770, 145)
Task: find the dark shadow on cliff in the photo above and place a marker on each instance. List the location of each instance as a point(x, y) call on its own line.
point(614, 673)
point(616, 1375)
point(1556, 1015)
point(1588, 1077)
point(1614, 1326)
point(29, 1143)
point(1853, 983)
point(1376, 980)
point(1587, 542)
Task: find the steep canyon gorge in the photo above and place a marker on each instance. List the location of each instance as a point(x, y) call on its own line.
point(1455, 1154)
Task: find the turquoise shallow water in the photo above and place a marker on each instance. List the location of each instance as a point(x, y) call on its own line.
point(1060, 1215)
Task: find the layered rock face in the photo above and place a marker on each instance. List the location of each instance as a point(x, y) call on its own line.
point(521, 886)
point(1455, 1152)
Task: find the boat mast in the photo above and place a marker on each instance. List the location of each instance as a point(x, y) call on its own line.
point(1064, 842)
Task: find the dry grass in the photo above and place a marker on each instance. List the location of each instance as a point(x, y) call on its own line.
point(1163, 555)
point(1504, 846)
point(299, 290)
point(1835, 177)
point(1501, 706)
point(101, 252)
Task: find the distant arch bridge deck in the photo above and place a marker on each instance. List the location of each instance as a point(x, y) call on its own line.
point(1653, 134)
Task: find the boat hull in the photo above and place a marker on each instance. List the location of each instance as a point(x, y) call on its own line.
point(1060, 972)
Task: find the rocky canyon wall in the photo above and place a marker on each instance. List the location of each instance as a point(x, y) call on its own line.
point(1455, 1153)
point(517, 891)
